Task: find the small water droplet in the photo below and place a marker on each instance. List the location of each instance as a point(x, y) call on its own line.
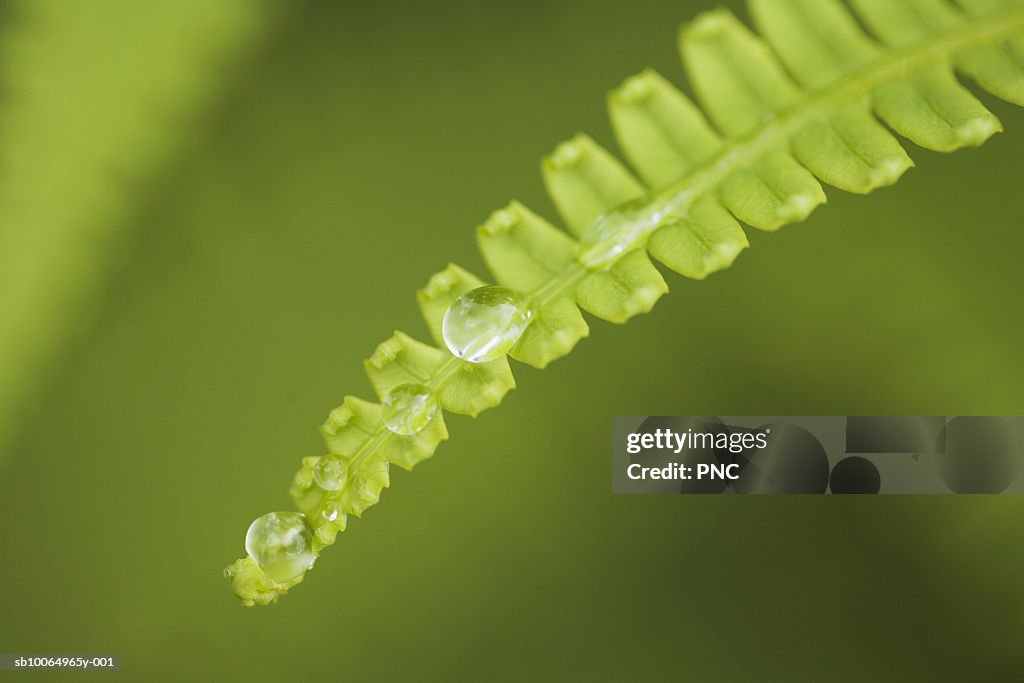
point(617, 231)
point(280, 542)
point(329, 510)
point(409, 408)
point(485, 323)
point(329, 473)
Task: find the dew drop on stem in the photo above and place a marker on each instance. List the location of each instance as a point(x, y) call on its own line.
point(409, 408)
point(280, 543)
point(616, 232)
point(329, 473)
point(329, 510)
point(485, 323)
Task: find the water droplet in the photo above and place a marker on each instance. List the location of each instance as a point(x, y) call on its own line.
point(280, 544)
point(614, 233)
point(484, 323)
point(329, 473)
point(408, 408)
point(329, 510)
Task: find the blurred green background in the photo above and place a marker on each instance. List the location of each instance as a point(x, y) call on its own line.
point(218, 209)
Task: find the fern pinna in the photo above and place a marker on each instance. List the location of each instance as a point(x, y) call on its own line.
point(803, 103)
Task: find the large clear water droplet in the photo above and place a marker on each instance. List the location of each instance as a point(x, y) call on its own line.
point(408, 408)
point(329, 473)
point(485, 323)
point(280, 543)
point(621, 229)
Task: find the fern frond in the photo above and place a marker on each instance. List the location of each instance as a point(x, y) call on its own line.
point(802, 104)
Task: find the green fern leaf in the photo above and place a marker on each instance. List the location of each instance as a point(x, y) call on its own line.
point(786, 111)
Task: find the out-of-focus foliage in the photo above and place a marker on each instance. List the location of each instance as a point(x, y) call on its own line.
point(97, 97)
